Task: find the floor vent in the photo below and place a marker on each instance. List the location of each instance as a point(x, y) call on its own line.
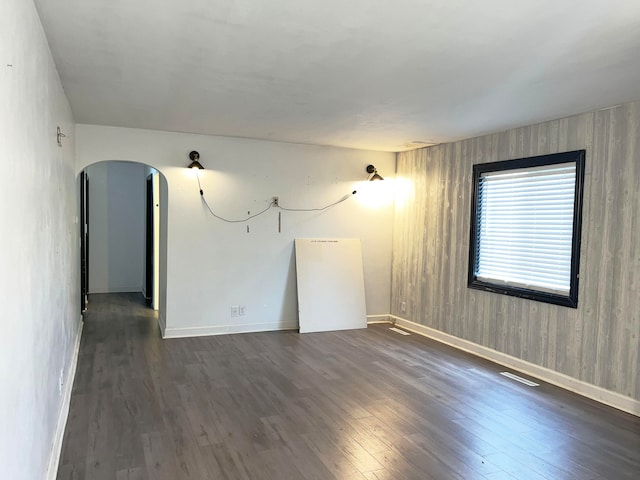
point(397, 330)
point(519, 379)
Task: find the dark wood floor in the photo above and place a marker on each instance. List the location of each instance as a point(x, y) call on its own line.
point(364, 404)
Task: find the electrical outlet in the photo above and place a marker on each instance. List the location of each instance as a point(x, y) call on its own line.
point(275, 201)
point(235, 311)
point(403, 307)
point(60, 382)
point(242, 311)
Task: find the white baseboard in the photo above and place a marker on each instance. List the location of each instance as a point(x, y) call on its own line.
point(599, 394)
point(120, 289)
point(373, 319)
point(162, 324)
point(183, 332)
point(56, 448)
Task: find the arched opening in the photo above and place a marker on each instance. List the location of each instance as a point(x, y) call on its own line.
point(123, 230)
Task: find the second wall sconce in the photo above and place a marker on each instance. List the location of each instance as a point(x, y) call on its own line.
point(374, 175)
point(195, 156)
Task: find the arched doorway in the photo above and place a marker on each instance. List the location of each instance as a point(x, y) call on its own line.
point(123, 212)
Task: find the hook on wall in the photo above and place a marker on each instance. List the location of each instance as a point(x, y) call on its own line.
point(60, 136)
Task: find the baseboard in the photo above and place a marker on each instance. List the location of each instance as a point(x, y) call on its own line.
point(125, 289)
point(373, 319)
point(162, 324)
point(599, 394)
point(183, 332)
point(56, 448)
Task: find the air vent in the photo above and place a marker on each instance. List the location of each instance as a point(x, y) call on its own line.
point(515, 377)
point(397, 330)
point(418, 144)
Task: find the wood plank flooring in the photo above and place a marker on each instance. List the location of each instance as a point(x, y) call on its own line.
point(364, 404)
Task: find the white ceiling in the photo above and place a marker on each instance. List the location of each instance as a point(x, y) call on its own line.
point(369, 74)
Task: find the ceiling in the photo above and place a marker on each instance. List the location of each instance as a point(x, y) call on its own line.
point(370, 74)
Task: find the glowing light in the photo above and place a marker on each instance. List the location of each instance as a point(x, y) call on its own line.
point(376, 194)
point(404, 191)
point(191, 172)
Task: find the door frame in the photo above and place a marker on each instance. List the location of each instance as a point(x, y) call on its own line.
point(149, 243)
point(84, 240)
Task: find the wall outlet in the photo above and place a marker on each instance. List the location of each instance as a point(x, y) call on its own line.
point(235, 311)
point(60, 382)
point(275, 201)
point(403, 307)
point(242, 311)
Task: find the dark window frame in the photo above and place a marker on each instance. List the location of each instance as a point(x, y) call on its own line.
point(569, 300)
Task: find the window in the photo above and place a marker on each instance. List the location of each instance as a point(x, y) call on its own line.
point(526, 219)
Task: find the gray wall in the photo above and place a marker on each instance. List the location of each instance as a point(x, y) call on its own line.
point(116, 227)
point(598, 342)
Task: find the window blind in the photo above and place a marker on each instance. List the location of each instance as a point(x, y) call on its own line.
point(525, 226)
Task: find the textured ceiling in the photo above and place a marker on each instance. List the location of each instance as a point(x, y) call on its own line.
point(367, 74)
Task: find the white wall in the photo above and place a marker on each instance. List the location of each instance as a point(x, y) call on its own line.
point(162, 256)
point(212, 265)
point(39, 252)
point(116, 227)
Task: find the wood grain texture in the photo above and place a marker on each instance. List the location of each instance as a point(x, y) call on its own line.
point(597, 343)
point(348, 405)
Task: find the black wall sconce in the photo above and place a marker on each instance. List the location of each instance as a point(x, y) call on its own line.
point(195, 156)
point(374, 175)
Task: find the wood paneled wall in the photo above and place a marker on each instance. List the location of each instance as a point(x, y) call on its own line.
point(599, 341)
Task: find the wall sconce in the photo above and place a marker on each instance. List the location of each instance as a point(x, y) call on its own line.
point(195, 156)
point(374, 175)
point(60, 136)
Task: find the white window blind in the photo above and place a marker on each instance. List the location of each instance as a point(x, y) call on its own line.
point(525, 227)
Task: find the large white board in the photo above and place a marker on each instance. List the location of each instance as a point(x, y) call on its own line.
point(330, 284)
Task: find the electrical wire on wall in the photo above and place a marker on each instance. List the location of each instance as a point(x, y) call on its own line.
point(204, 200)
point(273, 204)
point(320, 209)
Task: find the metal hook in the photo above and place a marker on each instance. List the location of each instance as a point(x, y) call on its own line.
point(60, 136)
